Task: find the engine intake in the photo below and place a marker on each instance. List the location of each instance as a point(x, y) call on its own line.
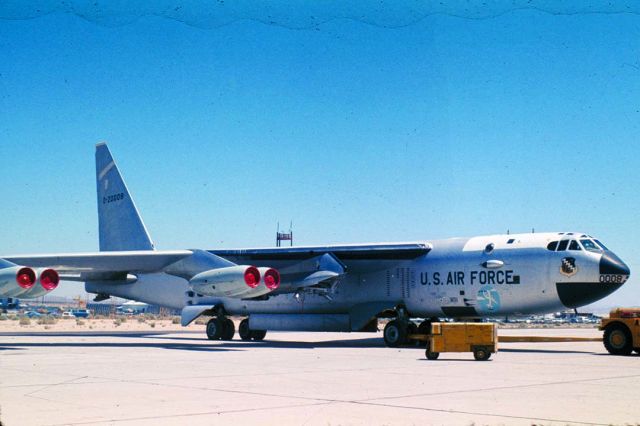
point(271, 279)
point(26, 278)
point(49, 279)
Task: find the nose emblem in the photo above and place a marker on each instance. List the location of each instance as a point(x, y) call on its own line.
point(568, 266)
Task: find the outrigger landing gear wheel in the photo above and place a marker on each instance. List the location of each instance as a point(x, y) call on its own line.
point(243, 330)
point(617, 339)
point(229, 329)
point(395, 334)
point(215, 328)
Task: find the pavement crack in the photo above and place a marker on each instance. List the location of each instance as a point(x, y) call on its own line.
point(474, 413)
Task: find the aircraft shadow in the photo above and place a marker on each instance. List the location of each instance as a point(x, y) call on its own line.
point(156, 340)
point(94, 333)
point(155, 345)
point(372, 342)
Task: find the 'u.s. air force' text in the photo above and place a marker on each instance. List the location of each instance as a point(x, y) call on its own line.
point(474, 277)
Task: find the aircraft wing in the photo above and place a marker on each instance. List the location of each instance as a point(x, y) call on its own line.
point(321, 267)
point(390, 251)
point(103, 262)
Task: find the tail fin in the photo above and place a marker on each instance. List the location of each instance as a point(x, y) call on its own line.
point(121, 227)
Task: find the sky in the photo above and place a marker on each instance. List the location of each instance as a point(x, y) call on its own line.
point(393, 125)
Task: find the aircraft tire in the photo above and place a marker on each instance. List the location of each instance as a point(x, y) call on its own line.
point(228, 329)
point(258, 335)
point(425, 327)
point(243, 330)
point(412, 329)
point(215, 327)
point(617, 339)
point(394, 334)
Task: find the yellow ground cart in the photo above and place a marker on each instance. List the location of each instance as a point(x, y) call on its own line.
point(479, 338)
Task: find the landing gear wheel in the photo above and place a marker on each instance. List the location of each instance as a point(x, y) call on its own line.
point(424, 328)
point(243, 330)
point(431, 355)
point(215, 327)
point(412, 328)
point(258, 335)
point(395, 334)
point(617, 340)
point(481, 354)
point(228, 330)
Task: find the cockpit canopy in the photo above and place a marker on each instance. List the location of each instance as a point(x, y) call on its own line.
point(571, 241)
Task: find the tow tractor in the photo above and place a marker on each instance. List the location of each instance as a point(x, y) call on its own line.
point(622, 331)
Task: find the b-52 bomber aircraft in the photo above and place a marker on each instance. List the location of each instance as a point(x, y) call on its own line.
point(324, 288)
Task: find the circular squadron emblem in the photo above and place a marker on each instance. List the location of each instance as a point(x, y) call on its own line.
point(568, 266)
point(489, 299)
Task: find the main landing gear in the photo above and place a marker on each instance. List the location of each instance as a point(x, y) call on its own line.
point(222, 328)
point(397, 331)
point(247, 334)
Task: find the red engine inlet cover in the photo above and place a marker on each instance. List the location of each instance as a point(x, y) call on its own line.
point(272, 279)
point(26, 278)
point(49, 279)
point(252, 276)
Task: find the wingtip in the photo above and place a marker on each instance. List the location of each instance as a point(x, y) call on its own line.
point(99, 144)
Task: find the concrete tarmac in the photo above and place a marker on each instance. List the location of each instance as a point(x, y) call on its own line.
point(307, 379)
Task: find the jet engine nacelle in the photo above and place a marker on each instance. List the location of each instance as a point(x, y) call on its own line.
point(48, 280)
point(236, 281)
point(16, 280)
point(21, 281)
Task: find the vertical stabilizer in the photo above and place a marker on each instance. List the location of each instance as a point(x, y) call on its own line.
point(121, 227)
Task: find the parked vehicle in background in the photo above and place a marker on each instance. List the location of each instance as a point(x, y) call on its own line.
point(68, 314)
point(81, 313)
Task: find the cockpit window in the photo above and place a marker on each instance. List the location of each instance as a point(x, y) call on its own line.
point(589, 245)
point(563, 245)
point(601, 245)
point(552, 245)
point(573, 245)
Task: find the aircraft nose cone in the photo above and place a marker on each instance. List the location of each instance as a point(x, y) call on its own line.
point(610, 264)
